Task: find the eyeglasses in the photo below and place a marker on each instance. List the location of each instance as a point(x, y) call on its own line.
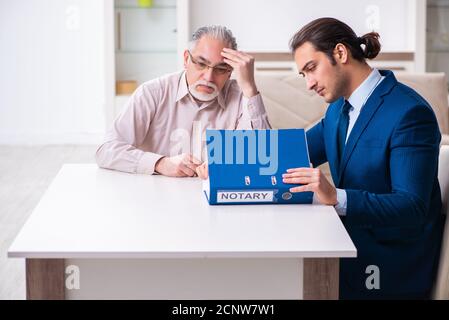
point(200, 66)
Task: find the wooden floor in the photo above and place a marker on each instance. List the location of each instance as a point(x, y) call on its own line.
point(25, 174)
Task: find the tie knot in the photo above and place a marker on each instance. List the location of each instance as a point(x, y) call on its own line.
point(346, 107)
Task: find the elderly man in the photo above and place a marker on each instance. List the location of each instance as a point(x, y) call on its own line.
point(161, 128)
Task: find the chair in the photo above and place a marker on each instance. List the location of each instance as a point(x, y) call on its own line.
point(441, 289)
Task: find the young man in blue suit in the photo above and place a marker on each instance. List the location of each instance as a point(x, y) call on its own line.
point(381, 140)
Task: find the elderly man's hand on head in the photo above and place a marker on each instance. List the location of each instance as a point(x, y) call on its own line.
point(243, 65)
point(183, 165)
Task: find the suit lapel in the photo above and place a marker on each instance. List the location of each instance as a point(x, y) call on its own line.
point(369, 109)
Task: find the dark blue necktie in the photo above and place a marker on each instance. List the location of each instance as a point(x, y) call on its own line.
point(343, 123)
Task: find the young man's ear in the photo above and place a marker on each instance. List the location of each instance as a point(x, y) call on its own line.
point(341, 53)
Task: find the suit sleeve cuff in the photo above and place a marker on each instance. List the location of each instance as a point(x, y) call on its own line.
point(147, 163)
point(342, 203)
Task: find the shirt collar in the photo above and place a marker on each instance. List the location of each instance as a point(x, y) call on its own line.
point(183, 90)
point(359, 97)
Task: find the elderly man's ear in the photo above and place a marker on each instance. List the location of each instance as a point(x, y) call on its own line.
point(186, 58)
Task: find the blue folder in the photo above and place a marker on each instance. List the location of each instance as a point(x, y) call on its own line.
point(246, 166)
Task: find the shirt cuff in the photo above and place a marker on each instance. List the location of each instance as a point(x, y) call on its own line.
point(315, 200)
point(342, 203)
point(147, 163)
point(255, 106)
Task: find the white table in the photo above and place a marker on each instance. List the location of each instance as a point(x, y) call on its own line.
point(154, 237)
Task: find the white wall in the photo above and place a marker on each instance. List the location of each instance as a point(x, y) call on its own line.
point(269, 25)
point(57, 64)
point(52, 75)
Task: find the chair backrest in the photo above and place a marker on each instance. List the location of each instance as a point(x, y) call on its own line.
point(441, 289)
point(433, 87)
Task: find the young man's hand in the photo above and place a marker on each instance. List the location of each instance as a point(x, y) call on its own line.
point(183, 165)
point(312, 179)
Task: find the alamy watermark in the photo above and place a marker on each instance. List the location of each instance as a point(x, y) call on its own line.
point(372, 282)
point(72, 280)
point(228, 147)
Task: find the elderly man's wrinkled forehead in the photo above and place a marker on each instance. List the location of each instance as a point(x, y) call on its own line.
point(208, 50)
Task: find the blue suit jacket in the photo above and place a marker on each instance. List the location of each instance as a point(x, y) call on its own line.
point(389, 171)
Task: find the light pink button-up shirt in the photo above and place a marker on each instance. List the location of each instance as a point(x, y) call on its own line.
point(162, 119)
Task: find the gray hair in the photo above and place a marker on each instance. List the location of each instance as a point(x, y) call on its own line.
point(215, 32)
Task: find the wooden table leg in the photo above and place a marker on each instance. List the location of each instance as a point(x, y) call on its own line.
point(45, 279)
point(321, 278)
